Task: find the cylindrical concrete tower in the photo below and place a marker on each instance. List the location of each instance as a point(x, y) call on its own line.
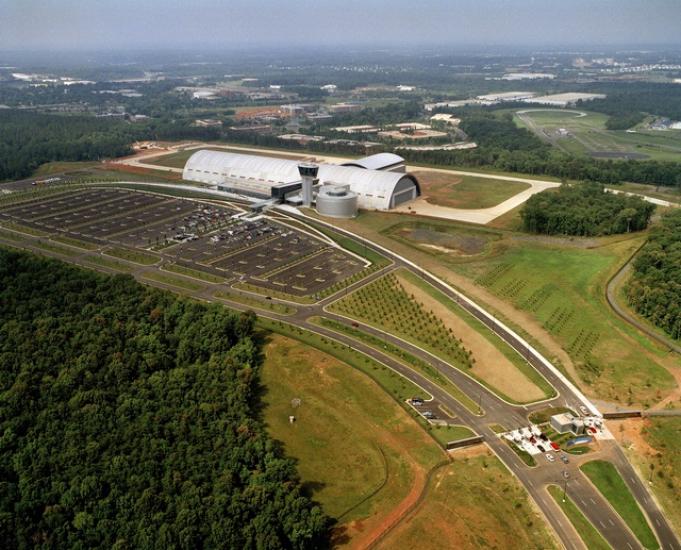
point(308, 173)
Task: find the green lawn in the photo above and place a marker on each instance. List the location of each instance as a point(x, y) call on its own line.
point(587, 532)
point(562, 286)
point(609, 482)
point(662, 463)
point(355, 447)
point(466, 191)
point(417, 364)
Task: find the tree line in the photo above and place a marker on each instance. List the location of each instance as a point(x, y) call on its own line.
point(507, 147)
point(654, 289)
point(584, 210)
point(30, 139)
point(129, 418)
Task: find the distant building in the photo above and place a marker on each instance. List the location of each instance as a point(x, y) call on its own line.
point(503, 97)
point(528, 76)
point(565, 422)
point(563, 100)
point(301, 138)
point(402, 88)
point(358, 129)
point(331, 88)
point(446, 118)
point(345, 108)
point(208, 123)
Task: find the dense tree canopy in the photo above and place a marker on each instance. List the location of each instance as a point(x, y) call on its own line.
point(28, 139)
point(584, 209)
point(128, 419)
point(655, 287)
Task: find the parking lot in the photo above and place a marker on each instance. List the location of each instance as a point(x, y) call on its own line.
point(202, 236)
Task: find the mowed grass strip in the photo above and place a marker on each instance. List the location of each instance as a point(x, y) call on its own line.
point(267, 305)
point(166, 279)
point(64, 239)
point(136, 256)
point(470, 504)
point(24, 229)
point(471, 192)
point(195, 273)
point(417, 364)
point(609, 482)
point(587, 532)
point(358, 453)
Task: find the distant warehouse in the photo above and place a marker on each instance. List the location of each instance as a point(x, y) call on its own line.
point(379, 181)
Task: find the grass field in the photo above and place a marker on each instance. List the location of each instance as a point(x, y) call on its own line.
point(654, 446)
point(58, 167)
point(396, 303)
point(609, 482)
point(562, 287)
point(528, 281)
point(587, 532)
point(359, 454)
point(588, 134)
point(472, 503)
point(466, 191)
point(179, 159)
point(415, 363)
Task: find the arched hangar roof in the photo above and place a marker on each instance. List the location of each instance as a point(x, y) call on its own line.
point(374, 188)
point(379, 161)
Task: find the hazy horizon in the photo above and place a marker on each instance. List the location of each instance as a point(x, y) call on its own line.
point(239, 24)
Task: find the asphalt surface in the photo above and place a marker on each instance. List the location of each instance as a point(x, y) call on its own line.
point(496, 411)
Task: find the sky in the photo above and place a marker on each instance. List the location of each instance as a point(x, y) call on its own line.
point(176, 24)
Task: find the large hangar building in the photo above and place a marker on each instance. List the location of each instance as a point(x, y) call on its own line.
point(380, 181)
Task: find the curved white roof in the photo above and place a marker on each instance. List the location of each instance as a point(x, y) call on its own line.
point(374, 188)
point(379, 161)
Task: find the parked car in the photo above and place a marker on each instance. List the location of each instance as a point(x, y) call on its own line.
point(416, 401)
point(541, 448)
point(565, 459)
point(583, 410)
point(429, 415)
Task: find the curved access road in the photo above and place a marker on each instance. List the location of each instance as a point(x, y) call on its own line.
point(624, 314)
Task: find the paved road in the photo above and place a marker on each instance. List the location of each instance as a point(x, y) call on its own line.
point(495, 409)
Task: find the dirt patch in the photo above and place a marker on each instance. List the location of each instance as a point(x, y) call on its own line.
point(454, 244)
point(629, 433)
point(491, 364)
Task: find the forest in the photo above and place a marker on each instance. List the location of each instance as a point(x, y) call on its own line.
point(585, 210)
point(30, 139)
point(129, 418)
point(654, 289)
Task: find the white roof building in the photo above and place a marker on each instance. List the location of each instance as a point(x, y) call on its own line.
point(376, 186)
